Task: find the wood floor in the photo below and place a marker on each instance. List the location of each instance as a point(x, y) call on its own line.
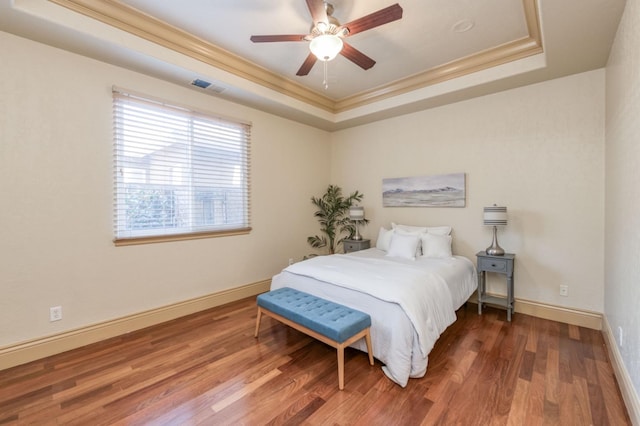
point(209, 369)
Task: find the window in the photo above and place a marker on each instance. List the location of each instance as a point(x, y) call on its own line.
point(179, 173)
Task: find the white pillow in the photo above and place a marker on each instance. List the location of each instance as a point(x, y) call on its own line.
point(384, 238)
point(403, 245)
point(439, 230)
point(409, 229)
point(413, 234)
point(436, 246)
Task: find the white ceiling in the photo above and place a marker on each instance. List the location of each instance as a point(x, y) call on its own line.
point(574, 36)
point(401, 48)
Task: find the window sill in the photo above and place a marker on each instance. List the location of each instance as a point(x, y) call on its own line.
point(179, 237)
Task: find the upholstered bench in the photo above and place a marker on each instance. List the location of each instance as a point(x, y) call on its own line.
point(331, 323)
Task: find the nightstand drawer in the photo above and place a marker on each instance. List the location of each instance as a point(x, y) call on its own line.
point(493, 265)
point(355, 245)
point(349, 247)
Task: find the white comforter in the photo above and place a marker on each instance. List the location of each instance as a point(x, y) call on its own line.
point(410, 302)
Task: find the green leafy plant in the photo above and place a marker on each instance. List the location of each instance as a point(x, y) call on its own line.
point(333, 215)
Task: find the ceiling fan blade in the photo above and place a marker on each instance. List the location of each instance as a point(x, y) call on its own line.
point(307, 65)
point(375, 19)
point(280, 37)
point(357, 57)
point(317, 10)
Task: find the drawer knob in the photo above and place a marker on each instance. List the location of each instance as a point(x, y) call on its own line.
point(493, 265)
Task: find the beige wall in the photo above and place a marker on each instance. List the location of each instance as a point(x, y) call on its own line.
point(622, 243)
point(56, 189)
point(539, 150)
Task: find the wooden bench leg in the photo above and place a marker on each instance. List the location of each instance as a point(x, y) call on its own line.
point(258, 322)
point(367, 338)
point(340, 349)
point(366, 333)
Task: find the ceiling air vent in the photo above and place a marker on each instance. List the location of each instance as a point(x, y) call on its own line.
point(203, 84)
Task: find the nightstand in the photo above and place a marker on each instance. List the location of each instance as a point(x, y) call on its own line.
point(355, 245)
point(500, 265)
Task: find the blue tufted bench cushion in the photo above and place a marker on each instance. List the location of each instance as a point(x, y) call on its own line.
point(337, 322)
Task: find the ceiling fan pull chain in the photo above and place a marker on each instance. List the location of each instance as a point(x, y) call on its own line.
point(325, 82)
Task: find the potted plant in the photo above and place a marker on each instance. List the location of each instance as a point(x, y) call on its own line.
point(333, 215)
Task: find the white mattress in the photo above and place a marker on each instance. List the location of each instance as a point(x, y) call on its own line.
point(398, 342)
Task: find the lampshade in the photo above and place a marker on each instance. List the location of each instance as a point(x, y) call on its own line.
point(356, 213)
point(326, 46)
point(495, 216)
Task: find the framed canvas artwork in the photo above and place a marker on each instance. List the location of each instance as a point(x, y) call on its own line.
point(425, 191)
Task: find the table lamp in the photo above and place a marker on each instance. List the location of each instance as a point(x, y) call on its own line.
point(356, 214)
point(495, 216)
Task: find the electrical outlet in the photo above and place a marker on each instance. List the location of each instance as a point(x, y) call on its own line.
point(291, 261)
point(564, 290)
point(620, 336)
point(55, 313)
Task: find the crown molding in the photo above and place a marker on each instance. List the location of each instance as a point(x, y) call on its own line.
point(138, 23)
point(508, 52)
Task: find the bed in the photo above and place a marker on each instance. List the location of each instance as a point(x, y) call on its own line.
point(411, 300)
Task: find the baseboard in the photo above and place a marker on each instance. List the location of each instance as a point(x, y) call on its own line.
point(32, 350)
point(582, 318)
point(629, 395)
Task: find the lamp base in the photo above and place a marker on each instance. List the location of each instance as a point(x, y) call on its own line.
point(495, 249)
point(357, 237)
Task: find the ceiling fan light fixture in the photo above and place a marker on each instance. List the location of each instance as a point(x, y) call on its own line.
point(326, 46)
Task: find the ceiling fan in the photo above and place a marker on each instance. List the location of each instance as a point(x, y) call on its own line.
point(327, 34)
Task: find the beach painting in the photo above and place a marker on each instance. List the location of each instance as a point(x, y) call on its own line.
point(424, 191)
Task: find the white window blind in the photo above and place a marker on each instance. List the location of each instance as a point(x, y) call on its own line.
point(178, 172)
